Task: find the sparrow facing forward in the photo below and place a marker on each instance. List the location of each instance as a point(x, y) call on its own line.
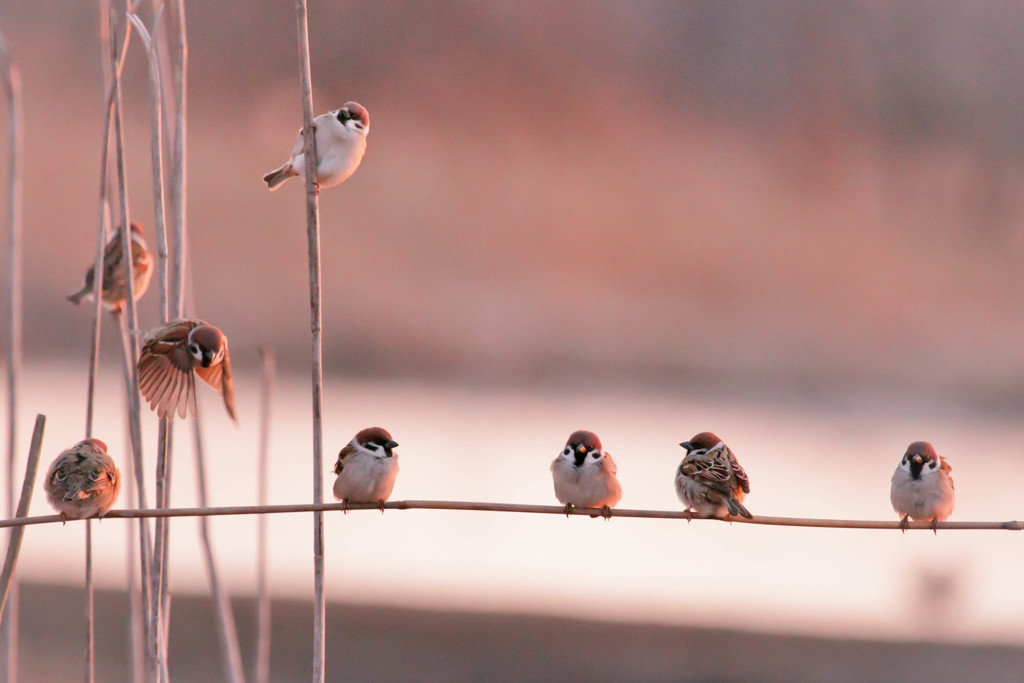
point(584, 474)
point(367, 468)
point(710, 480)
point(922, 486)
point(83, 481)
point(340, 144)
point(170, 353)
point(115, 288)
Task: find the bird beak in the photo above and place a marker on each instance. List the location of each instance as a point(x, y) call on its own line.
point(581, 448)
point(917, 458)
point(391, 444)
point(687, 445)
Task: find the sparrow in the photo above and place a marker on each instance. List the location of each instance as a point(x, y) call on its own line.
point(710, 480)
point(367, 468)
point(922, 487)
point(584, 475)
point(340, 144)
point(115, 289)
point(83, 481)
point(170, 353)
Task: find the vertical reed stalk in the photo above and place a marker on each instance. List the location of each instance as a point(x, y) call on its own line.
point(262, 655)
point(12, 90)
point(315, 323)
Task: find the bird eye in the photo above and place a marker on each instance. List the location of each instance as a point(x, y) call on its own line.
point(194, 349)
point(373, 445)
point(567, 451)
point(931, 465)
point(94, 476)
point(904, 460)
point(59, 475)
point(596, 455)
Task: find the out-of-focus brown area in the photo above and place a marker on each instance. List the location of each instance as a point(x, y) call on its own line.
point(380, 643)
point(692, 193)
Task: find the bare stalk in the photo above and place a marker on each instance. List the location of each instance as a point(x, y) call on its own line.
point(14, 545)
point(130, 342)
point(178, 178)
point(556, 510)
point(232, 656)
point(12, 90)
point(315, 323)
point(262, 665)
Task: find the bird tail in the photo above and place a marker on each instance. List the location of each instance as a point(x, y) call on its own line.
point(278, 176)
point(736, 508)
point(77, 297)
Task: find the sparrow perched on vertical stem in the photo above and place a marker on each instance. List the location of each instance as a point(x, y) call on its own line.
point(171, 353)
point(367, 468)
point(115, 288)
point(922, 486)
point(710, 480)
point(340, 144)
point(584, 475)
point(83, 481)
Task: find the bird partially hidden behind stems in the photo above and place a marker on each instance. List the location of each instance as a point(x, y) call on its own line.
point(340, 144)
point(710, 480)
point(172, 355)
point(584, 475)
point(367, 468)
point(115, 287)
point(83, 481)
point(922, 486)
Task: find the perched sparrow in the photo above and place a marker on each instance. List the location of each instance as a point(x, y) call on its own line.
point(584, 474)
point(922, 487)
point(367, 468)
point(340, 144)
point(169, 355)
point(710, 480)
point(115, 289)
point(83, 481)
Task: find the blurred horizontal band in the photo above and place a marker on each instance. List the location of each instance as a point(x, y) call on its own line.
point(1013, 525)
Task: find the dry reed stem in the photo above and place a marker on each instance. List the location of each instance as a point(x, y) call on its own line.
point(232, 656)
point(130, 341)
point(14, 545)
point(315, 324)
point(262, 649)
point(12, 90)
point(470, 506)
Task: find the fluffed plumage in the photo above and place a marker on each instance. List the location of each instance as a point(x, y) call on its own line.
point(922, 486)
point(340, 145)
point(584, 474)
point(367, 467)
point(83, 481)
point(710, 479)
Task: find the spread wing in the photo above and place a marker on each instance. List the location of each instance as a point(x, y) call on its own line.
point(219, 377)
point(165, 370)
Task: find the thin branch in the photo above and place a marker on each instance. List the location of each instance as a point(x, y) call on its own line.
point(262, 654)
point(468, 506)
point(14, 545)
point(12, 89)
point(90, 624)
point(178, 163)
point(232, 656)
point(315, 324)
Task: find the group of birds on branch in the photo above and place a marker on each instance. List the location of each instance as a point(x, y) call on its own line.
point(83, 481)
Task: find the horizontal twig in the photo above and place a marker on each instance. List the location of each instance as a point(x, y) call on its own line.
point(1012, 525)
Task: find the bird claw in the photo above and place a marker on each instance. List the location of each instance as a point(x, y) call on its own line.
point(380, 505)
point(905, 523)
point(568, 510)
point(606, 512)
point(689, 515)
point(344, 506)
point(935, 526)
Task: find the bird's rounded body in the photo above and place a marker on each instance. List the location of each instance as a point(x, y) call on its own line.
point(367, 467)
point(115, 285)
point(83, 481)
point(584, 474)
point(590, 487)
point(710, 480)
point(924, 489)
point(340, 145)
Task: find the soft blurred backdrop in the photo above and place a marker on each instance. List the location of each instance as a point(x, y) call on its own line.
point(796, 224)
